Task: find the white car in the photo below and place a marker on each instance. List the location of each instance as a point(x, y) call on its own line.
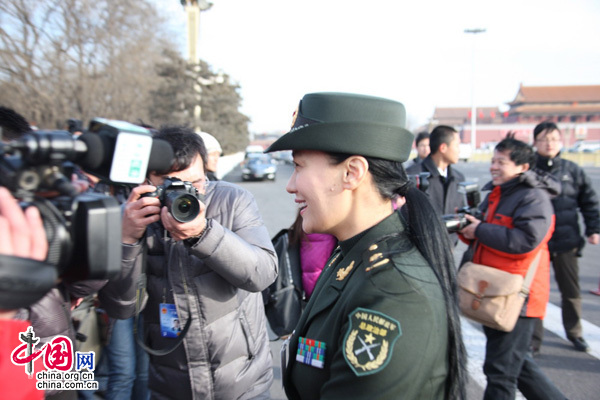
point(586, 146)
point(464, 152)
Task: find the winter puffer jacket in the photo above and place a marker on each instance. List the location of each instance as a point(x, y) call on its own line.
point(517, 225)
point(225, 354)
point(577, 194)
point(314, 253)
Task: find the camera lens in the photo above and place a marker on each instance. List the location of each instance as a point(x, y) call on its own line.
point(184, 207)
point(455, 222)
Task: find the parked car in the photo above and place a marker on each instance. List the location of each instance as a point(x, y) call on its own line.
point(259, 167)
point(488, 146)
point(254, 149)
point(585, 146)
point(284, 157)
point(464, 152)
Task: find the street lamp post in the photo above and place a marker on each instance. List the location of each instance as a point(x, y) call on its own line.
point(474, 32)
point(193, 8)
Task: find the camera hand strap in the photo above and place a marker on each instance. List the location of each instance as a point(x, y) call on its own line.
point(140, 292)
point(24, 281)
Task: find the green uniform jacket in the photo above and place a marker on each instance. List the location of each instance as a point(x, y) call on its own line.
point(381, 320)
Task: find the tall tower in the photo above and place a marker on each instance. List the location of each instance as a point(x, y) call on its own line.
point(193, 8)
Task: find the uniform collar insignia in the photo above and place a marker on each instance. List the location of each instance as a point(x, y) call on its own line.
point(343, 272)
point(337, 254)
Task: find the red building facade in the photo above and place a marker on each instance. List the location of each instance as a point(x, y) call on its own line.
point(575, 109)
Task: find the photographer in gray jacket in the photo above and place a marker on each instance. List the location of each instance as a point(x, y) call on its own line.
point(208, 273)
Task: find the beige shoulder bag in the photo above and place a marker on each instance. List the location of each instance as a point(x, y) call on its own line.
point(491, 296)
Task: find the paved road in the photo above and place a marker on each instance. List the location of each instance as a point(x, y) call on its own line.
point(576, 374)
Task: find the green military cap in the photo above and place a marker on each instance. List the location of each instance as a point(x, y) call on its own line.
point(349, 123)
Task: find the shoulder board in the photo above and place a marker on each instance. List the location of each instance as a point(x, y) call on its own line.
point(375, 257)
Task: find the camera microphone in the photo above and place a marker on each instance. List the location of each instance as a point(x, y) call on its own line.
point(93, 160)
point(161, 156)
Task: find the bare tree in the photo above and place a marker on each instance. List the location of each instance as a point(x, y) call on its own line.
point(174, 101)
point(80, 59)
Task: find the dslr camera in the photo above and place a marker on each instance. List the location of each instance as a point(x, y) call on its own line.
point(455, 222)
point(180, 197)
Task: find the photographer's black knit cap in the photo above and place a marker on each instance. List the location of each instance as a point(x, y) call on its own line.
point(351, 124)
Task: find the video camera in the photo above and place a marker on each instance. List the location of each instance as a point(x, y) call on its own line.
point(83, 229)
point(74, 125)
point(181, 198)
point(421, 180)
point(455, 222)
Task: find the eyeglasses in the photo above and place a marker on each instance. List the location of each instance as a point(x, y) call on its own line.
point(548, 140)
point(206, 182)
point(201, 183)
point(198, 183)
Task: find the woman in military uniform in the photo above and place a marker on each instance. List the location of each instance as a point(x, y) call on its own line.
point(382, 322)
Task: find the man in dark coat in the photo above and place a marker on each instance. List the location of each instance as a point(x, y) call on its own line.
point(566, 243)
point(423, 149)
point(443, 180)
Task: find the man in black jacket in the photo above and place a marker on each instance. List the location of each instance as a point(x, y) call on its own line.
point(566, 243)
point(443, 180)
point(423, 150)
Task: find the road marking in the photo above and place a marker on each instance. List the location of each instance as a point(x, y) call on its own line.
point(591, 332)
point(474, 340)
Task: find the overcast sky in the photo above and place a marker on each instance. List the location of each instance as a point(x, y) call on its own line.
point(415, 52)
